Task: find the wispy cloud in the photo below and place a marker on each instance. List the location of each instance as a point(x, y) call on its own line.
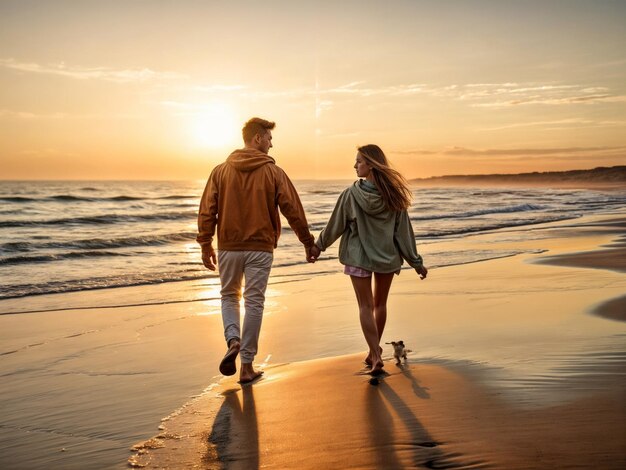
point(358, 88)
point(560, 124)
point(182, 105)
point(90, 73)
point(186, 108)
point(488, 95)
point(481, 95)
point(322, 106)
point(7, 113)
point(30, 116)
point(499, 95)
point(219, 88)
point(514, 152)
point(582, 99)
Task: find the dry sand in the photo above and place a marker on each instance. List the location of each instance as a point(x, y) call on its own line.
point(531, 379)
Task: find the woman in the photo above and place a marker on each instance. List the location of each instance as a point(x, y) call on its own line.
point(376, 235)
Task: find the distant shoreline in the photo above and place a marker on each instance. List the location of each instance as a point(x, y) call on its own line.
point(600, 177)
point(613, 177)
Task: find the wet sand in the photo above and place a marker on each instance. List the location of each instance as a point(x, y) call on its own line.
point(613, 309)
point(325, 414)
point(509, 369)
point(613, 257)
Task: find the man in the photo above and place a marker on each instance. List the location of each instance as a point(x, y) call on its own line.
point(241, 199)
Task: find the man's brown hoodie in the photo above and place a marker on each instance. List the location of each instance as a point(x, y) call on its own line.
point(242, 197)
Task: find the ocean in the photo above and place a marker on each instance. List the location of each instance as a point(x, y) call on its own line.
point(71, 236)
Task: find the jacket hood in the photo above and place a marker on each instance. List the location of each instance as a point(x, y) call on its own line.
point(248, 159)
point(369, 200)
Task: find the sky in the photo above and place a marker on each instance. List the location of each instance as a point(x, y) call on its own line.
point(160, 89)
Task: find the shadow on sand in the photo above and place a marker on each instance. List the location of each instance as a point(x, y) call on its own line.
point(392, 449)
point(233, 414)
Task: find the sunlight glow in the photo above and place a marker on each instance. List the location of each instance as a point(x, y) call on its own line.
point(215, 127)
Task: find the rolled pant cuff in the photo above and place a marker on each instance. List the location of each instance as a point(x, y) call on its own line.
point(228, 340)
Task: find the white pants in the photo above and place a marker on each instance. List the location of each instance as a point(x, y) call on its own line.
point(255, 267)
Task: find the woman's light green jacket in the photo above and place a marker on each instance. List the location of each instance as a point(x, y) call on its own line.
point(372, 236)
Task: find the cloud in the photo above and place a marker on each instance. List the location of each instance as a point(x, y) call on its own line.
point(29, 116)
point(182, 105)
point(186, 108)
point(509, 89)
point(219, 88)
point(90, 73)
point(515, 94)
point(589, 99)
point(415, 152)
point(476, 94)
point(560, 124)
point(355, 88)
point(515, 152)
point(321, 106)
point(482, 95)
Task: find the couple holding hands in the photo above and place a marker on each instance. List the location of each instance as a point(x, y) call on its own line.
point(241, 202)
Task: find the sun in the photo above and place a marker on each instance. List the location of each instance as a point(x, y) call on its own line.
point(214, 127)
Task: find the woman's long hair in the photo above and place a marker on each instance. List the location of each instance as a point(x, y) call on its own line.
point(391, 185)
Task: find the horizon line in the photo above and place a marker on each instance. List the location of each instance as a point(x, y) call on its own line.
point(313, 179)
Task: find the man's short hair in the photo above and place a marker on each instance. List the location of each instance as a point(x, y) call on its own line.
point(256, 126)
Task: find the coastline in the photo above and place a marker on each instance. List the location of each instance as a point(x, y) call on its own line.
point(84, 385)
point(539, 395)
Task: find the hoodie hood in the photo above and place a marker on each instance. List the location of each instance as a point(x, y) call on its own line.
point(248, 159)
point(369, 200)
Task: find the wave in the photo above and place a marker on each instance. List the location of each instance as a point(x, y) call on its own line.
point(58, 287)
point(69, 197)
point(495, 210)
point(314, 226)
point(72, 198)
point(17, 199)
point(133, 280)
point(106, 219)
point(65, 197)
point(14, 260)
point(100, 243)
point(490, 227)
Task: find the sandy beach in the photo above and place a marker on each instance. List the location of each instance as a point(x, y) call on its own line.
point(515, 363)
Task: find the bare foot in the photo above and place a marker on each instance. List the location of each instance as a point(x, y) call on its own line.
point(368, 359)
point(248, 374)
point(228, 366)
point(377, 368)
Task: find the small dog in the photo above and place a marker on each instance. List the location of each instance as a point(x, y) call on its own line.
point(399, 351)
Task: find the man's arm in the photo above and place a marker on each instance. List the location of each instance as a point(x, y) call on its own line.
point(291, 207)
point(207, 221)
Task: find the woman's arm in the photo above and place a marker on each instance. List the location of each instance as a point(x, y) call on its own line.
point(405, 241)
point(336, 224)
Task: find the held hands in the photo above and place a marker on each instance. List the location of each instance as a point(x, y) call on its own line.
point(423, 272)
point(312, 253)
point(208, 258)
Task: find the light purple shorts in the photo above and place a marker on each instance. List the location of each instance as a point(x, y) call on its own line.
point(357, 272)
